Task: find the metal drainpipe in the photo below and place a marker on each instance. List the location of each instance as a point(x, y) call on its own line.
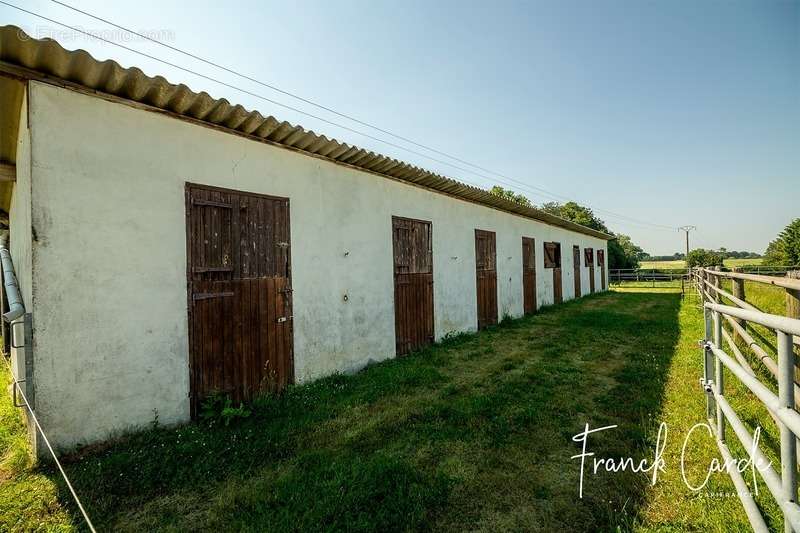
point(15, 306)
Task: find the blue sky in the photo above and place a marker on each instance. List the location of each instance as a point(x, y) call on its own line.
point(666, 112)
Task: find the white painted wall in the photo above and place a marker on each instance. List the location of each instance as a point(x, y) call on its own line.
point(20, 239)
point(19, 245)
point(110, 261)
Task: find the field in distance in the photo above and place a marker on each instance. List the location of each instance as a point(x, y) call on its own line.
point(680, 263)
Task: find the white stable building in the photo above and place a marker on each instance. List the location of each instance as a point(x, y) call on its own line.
point(168, 245)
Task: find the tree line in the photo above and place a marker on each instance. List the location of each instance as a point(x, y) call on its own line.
point(722, 252)
point(784, 250)
point(622, 252)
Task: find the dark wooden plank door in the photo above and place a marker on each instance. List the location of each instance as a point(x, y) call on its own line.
point(558, 288)
point(601, 262)
point(589, 253)
point(576, 268)
point(528, 275)
point(552, 259)
point(486, 274)
point(240, 295)
point(412, 243)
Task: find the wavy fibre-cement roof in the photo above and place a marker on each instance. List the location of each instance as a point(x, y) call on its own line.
point(48, 57)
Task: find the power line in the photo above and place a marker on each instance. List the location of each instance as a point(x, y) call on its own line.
point(329, 109)
point(536, 190)
point(49, 447)
point(230, 86)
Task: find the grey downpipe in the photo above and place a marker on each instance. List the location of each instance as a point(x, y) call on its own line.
point(15, 306)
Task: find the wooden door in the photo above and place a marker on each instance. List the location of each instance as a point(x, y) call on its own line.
point(589, 256)
point(576, 269)
point(601, 262)
point(552, 259)
point(558, 288)
point(413, 284)
point(528, 275)
point(486, 274)
point(240, 295)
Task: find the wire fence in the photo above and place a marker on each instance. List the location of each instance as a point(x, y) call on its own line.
point(667, 278)
point(680, 278)
point(19, 390)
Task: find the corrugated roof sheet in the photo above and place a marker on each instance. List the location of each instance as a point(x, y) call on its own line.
point(48, 57)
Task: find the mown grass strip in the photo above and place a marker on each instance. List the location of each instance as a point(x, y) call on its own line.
point(474, 433)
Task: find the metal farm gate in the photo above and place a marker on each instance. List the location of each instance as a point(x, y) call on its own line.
point(413, 284)
point(732, 353)
point(486, 275)
point(529, 275)
point(240, 296)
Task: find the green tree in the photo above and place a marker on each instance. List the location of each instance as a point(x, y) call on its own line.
point(508, 194)
point(575, 213)
point(704, 258)
point(774, 254)
point(553, 208)
point(622, 253)
point(785, 249)
point(790, 237)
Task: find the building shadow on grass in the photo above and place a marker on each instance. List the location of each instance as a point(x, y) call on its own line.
point(473, 433)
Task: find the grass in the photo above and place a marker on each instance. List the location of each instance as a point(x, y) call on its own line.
point(730, 262)
point(682, 264)
point(29, 498)
point(670, 506)
point(474, 433)
point(767, 298)
point(679, 263)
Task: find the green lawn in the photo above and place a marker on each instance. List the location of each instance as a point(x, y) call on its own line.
point(29, 498)
point(680, 263)
point(670, 506)
point(742, 262)
point(475, 433)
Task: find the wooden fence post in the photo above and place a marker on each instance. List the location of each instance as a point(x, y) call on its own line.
point(716, 281)
point(702, 278)
point(793, 297)
point(738, 291)
point(793, 311)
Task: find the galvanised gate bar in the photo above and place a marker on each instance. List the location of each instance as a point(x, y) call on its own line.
point(782, 407)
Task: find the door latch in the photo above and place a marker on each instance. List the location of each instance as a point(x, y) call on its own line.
point(283, 319)
point(707, 385)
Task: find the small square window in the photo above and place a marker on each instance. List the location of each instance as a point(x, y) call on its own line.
point(552, 255)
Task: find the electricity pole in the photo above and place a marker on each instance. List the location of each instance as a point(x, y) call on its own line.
point(687, 229)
